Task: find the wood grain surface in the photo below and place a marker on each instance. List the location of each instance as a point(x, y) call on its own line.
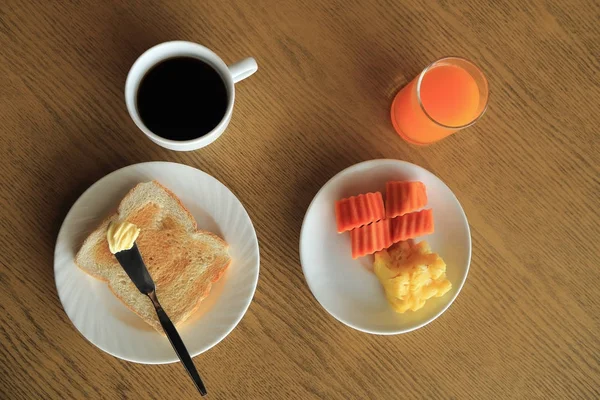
point(525, 326)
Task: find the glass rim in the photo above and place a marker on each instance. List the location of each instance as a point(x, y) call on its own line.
point(420, 80)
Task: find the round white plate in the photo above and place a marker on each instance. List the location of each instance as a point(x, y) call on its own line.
point(347, 288)
point(108, 323)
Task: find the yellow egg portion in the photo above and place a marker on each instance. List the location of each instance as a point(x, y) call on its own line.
point(411, 274)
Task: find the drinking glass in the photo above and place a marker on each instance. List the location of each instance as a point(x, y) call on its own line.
point(447, 96)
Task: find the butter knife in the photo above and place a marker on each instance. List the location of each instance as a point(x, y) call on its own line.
point(132, 262)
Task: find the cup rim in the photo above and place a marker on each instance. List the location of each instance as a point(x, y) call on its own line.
point(189, 49)
point(418, 88)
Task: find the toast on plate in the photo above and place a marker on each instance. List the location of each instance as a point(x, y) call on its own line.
point(183, 261)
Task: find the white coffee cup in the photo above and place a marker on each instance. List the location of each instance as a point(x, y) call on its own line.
point(155, 55)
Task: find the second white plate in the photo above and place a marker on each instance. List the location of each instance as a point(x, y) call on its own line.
point(108, 323)
point(347, 288)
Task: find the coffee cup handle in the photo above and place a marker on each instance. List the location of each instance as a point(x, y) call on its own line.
point(242, 69)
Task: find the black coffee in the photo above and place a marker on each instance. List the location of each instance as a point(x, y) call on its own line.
point(182, 98)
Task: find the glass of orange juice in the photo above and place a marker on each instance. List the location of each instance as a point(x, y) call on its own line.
point(449, 95)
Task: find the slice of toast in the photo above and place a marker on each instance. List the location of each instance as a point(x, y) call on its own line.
point(183, 261)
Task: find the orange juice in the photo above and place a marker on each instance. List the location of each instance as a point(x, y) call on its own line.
point(450, 98)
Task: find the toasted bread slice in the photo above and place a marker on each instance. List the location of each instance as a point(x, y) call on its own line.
point(183, 261)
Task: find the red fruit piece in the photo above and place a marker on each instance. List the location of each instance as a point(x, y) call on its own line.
point(403, 197)
point(371, 238)
point(360, 210)
point(411, 225)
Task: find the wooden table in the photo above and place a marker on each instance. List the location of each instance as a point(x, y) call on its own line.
point(527, 323)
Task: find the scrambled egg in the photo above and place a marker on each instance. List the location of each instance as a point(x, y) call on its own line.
point(411, 274)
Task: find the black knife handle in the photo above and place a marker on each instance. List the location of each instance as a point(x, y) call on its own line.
point(177, 344)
